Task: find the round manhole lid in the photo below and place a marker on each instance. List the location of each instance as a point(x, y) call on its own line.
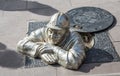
point(90, 19)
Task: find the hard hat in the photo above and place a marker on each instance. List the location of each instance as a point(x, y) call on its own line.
point(59, 21)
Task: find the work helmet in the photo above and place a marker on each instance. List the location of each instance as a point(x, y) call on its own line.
point(59, 21)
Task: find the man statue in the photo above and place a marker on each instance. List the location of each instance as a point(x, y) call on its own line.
point(55, 43)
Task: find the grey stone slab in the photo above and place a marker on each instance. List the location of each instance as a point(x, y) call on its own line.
point(32, 26)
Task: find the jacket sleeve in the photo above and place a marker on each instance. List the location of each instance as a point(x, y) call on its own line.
point(29, 45)
point(73, 58)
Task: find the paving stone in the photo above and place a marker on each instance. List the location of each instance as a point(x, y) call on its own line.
point(1, 14)
point(46, 71)
point(41, 71)
point(13, 28)
point(117, 46)
point(60, 5)
point(91, 69)
point(89, 2)
point(115, 33)
point(14, 5)
point(48, 11)
point(2, 3)
point(8, 72)
point(32, 4)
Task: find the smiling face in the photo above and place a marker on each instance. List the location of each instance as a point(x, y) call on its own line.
point(55, 36)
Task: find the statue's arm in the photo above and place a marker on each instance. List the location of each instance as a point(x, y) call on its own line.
point(73, 58)
point(29, 44)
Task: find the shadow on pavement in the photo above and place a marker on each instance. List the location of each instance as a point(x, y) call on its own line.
point(88, 67)
point(9, 58)
point(2, 46)
point(95, 59)
point(99, 56)
point(31, 6)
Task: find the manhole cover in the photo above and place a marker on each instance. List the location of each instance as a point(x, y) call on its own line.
point(90, 19)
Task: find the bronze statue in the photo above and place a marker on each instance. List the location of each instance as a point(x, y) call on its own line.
point(55, 43)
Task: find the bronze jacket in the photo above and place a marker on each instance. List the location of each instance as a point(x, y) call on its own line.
point(70, 51)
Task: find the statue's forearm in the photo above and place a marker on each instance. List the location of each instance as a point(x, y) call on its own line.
point(27, 47)
point(67, 58)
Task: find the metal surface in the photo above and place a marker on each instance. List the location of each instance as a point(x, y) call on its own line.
point(102, 51)
point(55, 43)
point(90, 19)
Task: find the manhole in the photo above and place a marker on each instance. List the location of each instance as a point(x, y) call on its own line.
point(102, 51)
point(90, 19)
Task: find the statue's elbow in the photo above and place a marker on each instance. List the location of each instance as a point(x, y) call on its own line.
point(74, 63)
point(20, 45)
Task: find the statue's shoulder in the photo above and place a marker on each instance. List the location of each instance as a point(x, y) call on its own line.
point(40, 30)
point(39, 33)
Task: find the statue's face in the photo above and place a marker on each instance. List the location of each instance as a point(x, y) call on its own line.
point(55, 36)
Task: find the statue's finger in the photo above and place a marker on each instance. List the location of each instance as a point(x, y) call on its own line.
point(51, 58)
point(44, 57)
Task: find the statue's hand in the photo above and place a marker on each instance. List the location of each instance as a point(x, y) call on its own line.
point(47, 48)
point(49, 58)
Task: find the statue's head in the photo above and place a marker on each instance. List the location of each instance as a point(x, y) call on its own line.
point(57, 27)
